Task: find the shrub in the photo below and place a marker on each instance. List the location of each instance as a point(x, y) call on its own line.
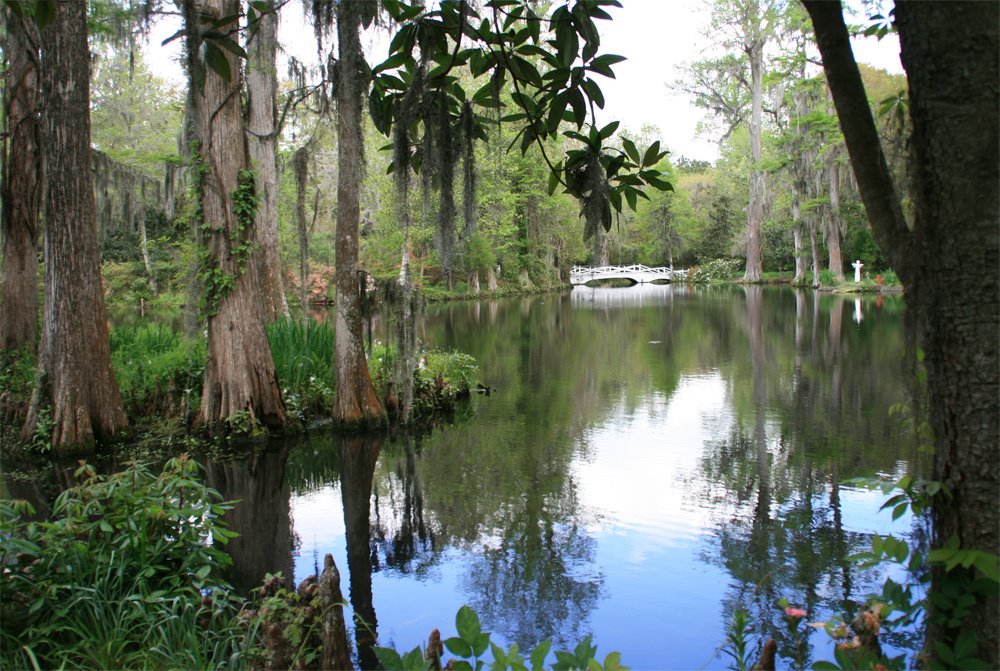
point(472, 643)
point(716, 270)
point(126, 574)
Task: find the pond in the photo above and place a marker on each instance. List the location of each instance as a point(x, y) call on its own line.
point(652, 459)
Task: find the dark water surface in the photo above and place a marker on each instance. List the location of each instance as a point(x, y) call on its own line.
point(653, 458)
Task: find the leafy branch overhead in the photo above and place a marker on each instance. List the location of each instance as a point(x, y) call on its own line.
point(547, 63)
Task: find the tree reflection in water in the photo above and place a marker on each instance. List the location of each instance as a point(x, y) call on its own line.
point(261, 518)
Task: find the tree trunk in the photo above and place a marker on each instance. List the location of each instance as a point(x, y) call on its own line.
point(836, 261)
point(356, 401)
point(813, 249)
point(300, 164)
point(239, 386)
point(950, 53)
point(262, 141)
point(800, 261)
point(74, 363)
point(755, 209)
point(147, 262)
point(358, 458)
point(21, 186)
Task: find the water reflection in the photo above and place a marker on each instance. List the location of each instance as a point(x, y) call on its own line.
point(650, 461)
point(261, 517)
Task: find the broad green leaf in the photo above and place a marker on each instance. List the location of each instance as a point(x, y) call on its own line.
point(224, 21)
point(388, 658)
point(217, 61)
point(609, 130)
point(824, 665)
point(594, 92)
point(631, 150)
point(458, 647)
point(392, 62)
point(539, 654)
point(987, 564)
point(553, 182)
point(414, 660)
point(231, 46)
point(652, 151)
point(480, 645)
point(602, 64)
point(613, 662)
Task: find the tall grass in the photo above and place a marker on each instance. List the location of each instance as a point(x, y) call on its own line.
point(126, 574)
point(303, 362)
point(156, 366)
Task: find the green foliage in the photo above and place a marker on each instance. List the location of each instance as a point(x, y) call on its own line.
point(17, 372)
point(126, 573)
point(552, 83)
point(303, 363)
point(737, 643)
point(966, 578)
point(292, 616)
point(827, 278)
point(238, 244)
point(457, 370)
point(158, 369)
point(472, 642)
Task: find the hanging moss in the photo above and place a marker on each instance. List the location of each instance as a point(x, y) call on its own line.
point(467, 139)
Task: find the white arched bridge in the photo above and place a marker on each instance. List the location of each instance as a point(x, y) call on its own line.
point(638, 274)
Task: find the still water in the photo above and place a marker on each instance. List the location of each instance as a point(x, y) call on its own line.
point(652, 458)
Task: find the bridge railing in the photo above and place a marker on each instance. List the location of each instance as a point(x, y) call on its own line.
point(623, 271)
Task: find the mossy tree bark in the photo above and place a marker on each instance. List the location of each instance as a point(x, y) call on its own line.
point(75, 378)
point(948, 260)
point(356, 402)
point(240, 390)
point(262, 137)
point(21, 185)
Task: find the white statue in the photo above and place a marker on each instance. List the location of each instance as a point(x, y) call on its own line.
point(857, 270)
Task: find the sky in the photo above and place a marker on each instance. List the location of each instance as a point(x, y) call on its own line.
point(656, 36)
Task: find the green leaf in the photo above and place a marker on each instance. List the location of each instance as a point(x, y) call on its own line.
point(824, 665)
point(553, 182)
point(594, 92)
point(987, 565)
point(217, 61)
point(650, 157)
point(539, 654)
point(613, 662)
point(414, 660)
point(392, 62)
point(602, 64)
point(230, 46)
point(609, 130)
point(388, 658)
point(631, 150)
point(481, 643)
point(631, 197)
point(944, 652)
point(458, 647)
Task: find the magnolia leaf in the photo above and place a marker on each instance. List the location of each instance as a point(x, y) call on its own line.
point(217, 61)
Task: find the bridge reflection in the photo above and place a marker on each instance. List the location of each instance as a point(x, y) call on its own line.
point(639, 295)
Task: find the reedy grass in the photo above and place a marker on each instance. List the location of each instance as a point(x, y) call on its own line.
point(120, 576)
